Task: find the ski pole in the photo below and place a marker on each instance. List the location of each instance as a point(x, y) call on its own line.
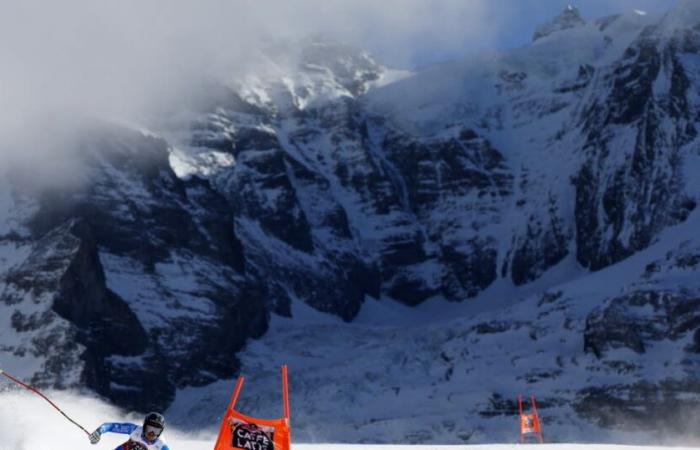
point(36, 391)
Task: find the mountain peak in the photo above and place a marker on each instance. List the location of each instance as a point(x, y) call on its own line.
point(350, 67)
point(569, 18)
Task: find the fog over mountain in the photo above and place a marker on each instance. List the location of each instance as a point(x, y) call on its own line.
point(124, 58)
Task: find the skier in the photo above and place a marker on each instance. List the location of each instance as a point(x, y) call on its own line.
point(146, 437)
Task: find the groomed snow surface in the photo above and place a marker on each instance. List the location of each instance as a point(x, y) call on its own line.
point(29, 423)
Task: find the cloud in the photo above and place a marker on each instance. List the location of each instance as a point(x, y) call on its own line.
point(27, 422)
point(121, 58)
point(128, 58)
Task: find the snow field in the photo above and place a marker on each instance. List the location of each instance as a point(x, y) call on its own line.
point(29, 423)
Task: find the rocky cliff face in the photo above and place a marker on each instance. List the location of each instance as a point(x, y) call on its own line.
point(363, 208)
point(430, 190)
point(632, 184)
point(133, 280)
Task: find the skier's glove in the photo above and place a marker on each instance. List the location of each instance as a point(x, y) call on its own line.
point(95, 436)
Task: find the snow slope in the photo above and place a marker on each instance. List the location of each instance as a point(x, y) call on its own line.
point(444, 373)
point(28, 423)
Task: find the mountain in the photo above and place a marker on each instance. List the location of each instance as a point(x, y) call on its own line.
point(569, 18)
point(419, 246)
point(128, 281)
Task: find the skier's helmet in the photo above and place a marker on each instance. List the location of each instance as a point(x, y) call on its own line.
point(154, 422)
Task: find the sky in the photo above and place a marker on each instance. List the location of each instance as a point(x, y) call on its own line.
point(514, 22)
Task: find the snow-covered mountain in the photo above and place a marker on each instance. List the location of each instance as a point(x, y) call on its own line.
point(419, 246)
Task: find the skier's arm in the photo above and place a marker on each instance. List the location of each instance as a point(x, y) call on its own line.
point(111, 427)
point(121, 428)
point(165, 447)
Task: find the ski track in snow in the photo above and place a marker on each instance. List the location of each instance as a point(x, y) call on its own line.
point(29, 423)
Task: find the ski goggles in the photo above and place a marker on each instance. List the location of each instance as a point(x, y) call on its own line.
point(152, 429)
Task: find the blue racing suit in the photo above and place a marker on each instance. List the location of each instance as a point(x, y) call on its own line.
point(137, 440)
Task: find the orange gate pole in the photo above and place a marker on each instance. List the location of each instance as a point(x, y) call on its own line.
point(231, 405)
point(537, 420)
point(520, 409)
point(285, 392)
point(236, 392)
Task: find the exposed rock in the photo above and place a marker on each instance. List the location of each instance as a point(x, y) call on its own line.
point(569, 18)
point(622, 202)
point(669, 405)
point(638, 318)
point(98, 273)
